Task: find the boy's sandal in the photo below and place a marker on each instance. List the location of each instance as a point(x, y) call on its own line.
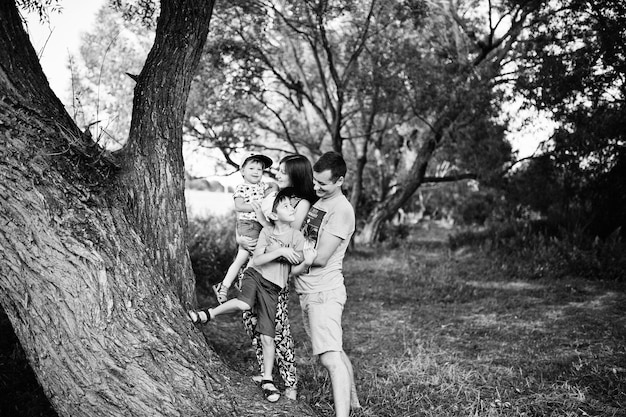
point(270, 392)
point(199, 316)
point(221, 292)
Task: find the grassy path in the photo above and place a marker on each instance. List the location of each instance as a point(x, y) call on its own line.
point(435, 333)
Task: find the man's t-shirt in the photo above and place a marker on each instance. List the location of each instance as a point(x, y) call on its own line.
point(334, 216)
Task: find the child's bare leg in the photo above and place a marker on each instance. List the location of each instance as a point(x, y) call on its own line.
point(269, 354)
point(205, 315)
point(221, 290)
point(270, 391)
point(231, 306)
point(233, 269)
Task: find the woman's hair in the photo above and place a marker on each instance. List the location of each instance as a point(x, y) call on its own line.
point(300, 173)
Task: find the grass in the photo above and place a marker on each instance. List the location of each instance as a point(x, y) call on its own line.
point(436, 332)
point(432, 332)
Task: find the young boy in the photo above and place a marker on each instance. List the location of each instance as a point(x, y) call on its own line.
point(246, 195)
point(263, 281)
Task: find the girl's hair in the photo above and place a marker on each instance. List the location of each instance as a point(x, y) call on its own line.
point(300, 173)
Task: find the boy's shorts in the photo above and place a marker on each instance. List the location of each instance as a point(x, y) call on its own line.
point(249, 228)
point(321, 314)
point(262, 296)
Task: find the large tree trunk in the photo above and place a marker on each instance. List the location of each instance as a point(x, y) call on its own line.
point(153, 170)
point(84, 280)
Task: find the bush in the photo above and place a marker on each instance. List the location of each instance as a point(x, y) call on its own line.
point(537, 250)
point(212, 248)
point(394, 235)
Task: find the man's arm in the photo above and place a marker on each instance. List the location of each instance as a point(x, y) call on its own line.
point(327, 245)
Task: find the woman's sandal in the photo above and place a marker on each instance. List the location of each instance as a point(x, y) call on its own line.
point(270, 392)
point(199, 316)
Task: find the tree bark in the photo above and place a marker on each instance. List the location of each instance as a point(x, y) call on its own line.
point(153, 169)
point(84, 280)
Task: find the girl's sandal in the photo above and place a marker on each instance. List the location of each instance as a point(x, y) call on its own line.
point(199, 316)
point(270, 392)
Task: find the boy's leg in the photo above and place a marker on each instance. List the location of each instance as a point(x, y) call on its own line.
point(269, 354)
point(270, 391)
point(230, 306)
point(233, 269)
point(205, 315)
point(283, 341)
point(244, 301)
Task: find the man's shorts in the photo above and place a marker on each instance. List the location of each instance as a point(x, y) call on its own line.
point(249, 228)
point(262, 297)
point(321, 314)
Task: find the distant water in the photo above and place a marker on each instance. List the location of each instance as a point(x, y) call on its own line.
point(202, 204)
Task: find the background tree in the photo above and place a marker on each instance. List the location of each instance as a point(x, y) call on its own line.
point(395, 81)
point(455, 60)
point(110, 54)
point(95, 271)
point(574, 66)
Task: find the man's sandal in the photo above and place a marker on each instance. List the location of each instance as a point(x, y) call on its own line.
point(221, 292)
point(270, 392)
point(199, 316)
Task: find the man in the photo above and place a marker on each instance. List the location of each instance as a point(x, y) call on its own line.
point(329, 226)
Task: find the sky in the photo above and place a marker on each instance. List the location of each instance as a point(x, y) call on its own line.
point(56, 41)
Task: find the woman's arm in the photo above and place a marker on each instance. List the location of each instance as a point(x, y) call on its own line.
point(300, 215)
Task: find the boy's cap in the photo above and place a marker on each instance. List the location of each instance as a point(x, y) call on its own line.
point(265, 160)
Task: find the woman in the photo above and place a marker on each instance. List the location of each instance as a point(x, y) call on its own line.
point(296, 174)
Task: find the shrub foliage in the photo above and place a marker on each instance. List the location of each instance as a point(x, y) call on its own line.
point(212, 247)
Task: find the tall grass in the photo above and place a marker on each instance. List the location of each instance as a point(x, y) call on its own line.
point(535, 251)
point(212, 248)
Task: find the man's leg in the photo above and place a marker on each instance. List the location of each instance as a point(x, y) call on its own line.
point(340, 380)
point(354, 398)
